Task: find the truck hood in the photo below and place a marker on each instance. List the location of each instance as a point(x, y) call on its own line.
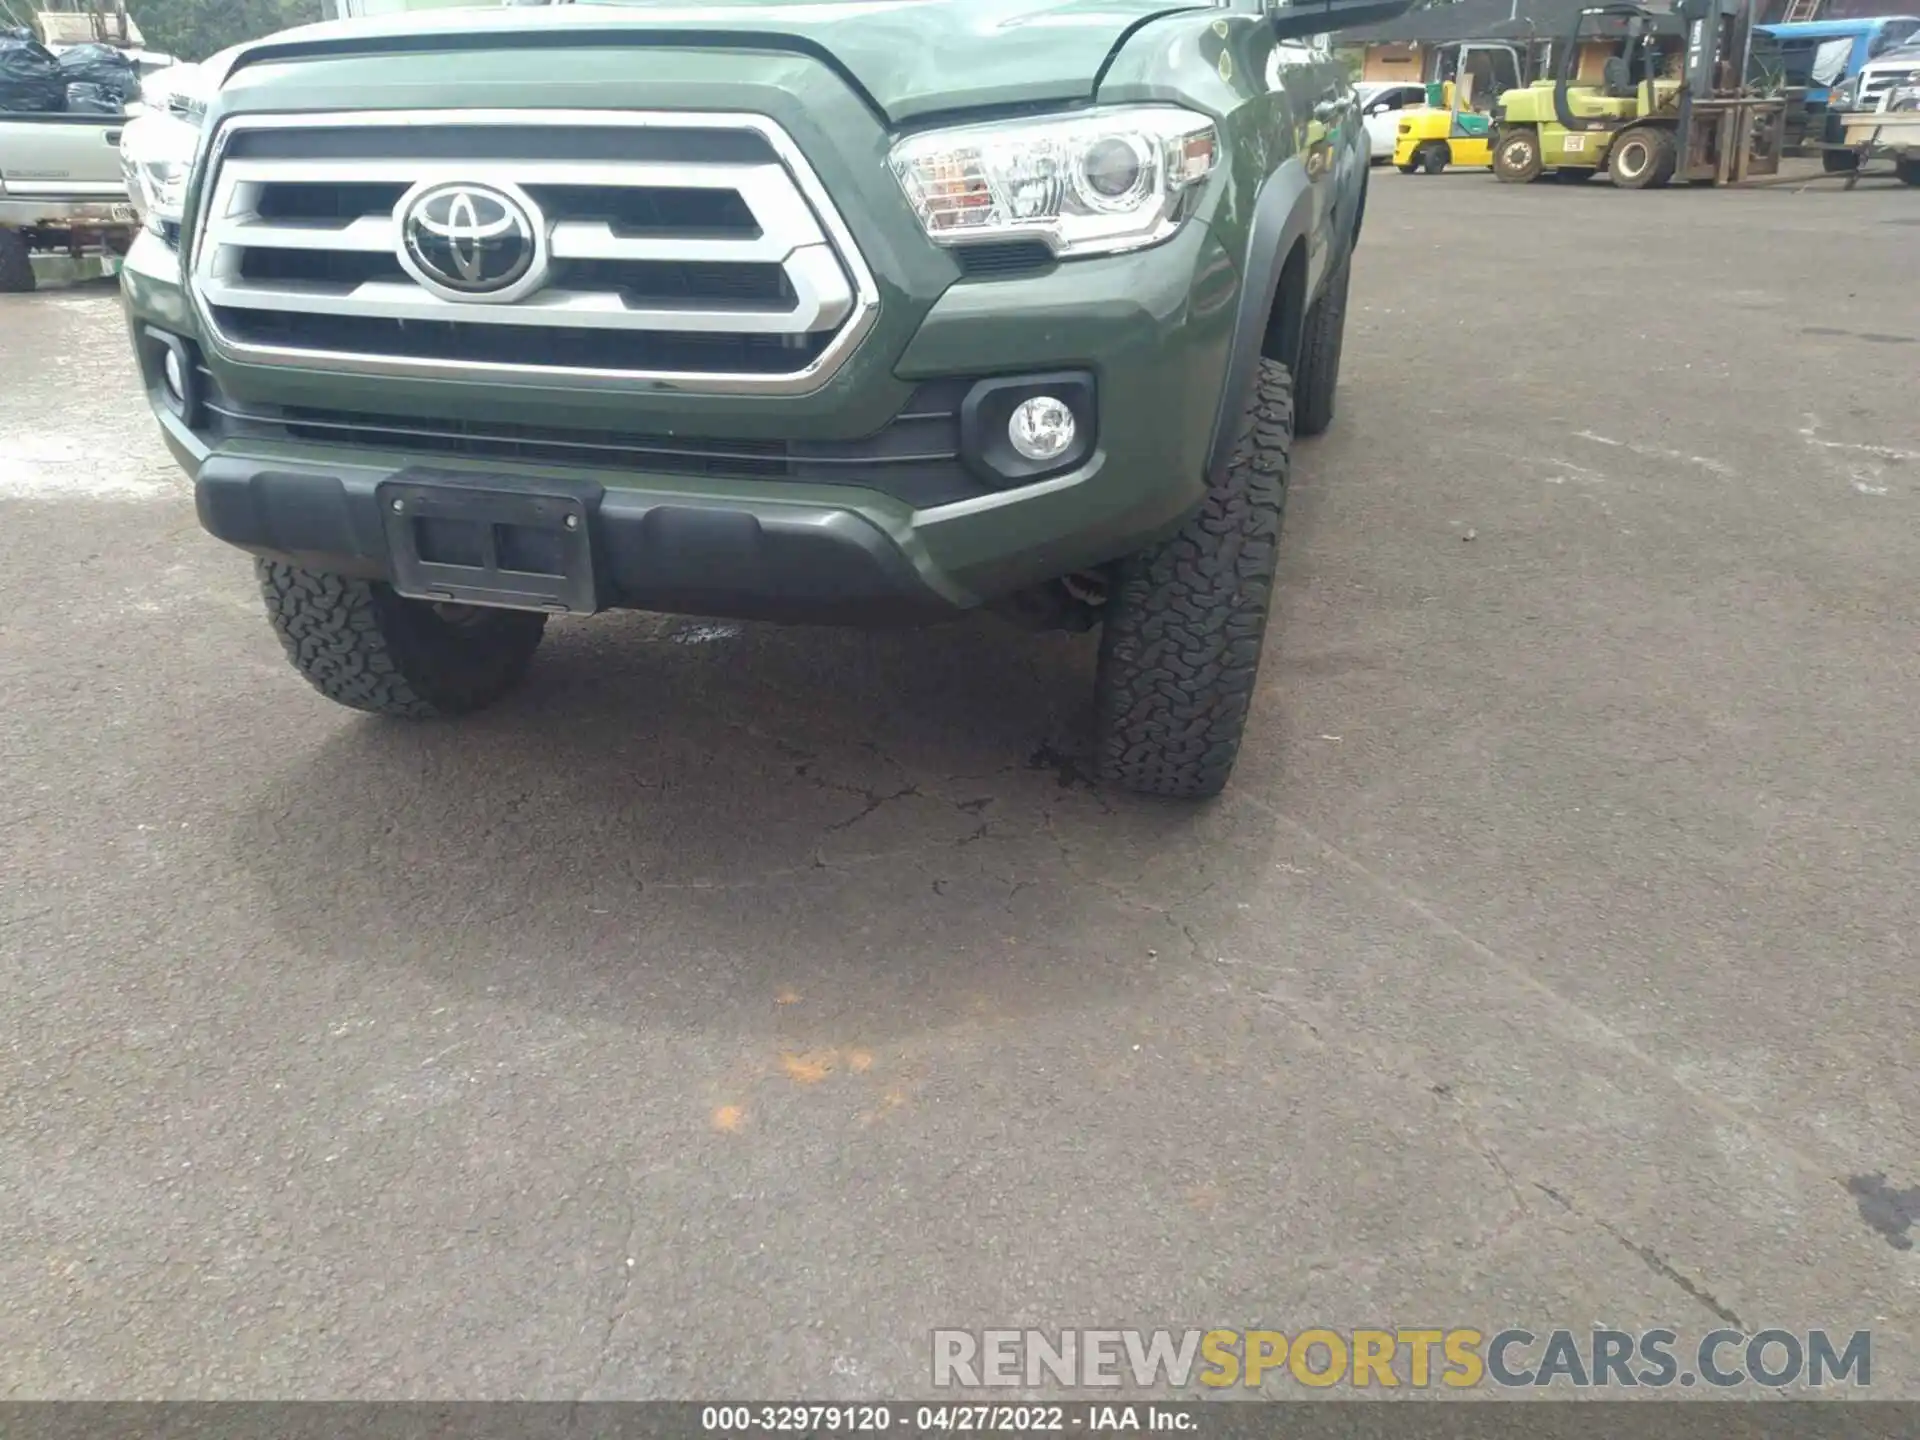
point(909, 58)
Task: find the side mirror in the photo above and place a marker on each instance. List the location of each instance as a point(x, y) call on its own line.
point(1318, 17)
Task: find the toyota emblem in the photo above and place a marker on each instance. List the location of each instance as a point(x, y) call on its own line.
point(466, 241)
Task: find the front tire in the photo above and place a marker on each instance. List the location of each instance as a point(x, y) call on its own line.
point(16, 264)
point(1839, 162)
point(1642, 158)
point(1180, 649)
point(1321, 340)
point(1908, 169)
point(362, 646)
point(1516, 159)
point(1434, 156)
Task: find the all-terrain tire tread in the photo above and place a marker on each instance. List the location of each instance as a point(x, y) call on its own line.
point(1320, 344)
point(362, 646)
point(1180, 648)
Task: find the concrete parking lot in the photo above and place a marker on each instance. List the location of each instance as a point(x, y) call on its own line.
point(738, 1004)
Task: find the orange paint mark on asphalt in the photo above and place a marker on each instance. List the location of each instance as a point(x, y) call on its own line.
point(894, 1099)
point(810, 1068)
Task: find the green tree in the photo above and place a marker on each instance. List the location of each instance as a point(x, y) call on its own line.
point(195, 29)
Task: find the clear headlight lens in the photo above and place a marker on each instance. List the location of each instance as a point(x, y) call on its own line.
point(156, 156)
point(157, 146)
point(1093, 184)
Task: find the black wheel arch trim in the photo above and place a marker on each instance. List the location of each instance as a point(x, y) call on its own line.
point(1282, 216)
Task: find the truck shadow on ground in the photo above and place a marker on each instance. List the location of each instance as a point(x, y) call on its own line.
point(691, 823)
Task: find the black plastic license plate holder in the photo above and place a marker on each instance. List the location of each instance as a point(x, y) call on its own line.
point(466, 542)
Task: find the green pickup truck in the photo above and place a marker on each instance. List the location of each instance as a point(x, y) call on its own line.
point(860, 312)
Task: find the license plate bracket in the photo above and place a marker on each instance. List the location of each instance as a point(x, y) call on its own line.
point(464, 543)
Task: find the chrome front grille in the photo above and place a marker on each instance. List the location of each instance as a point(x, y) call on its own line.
point(1878, 86)
point(698, 252)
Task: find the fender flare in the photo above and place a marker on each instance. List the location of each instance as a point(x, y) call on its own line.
point(1282, 215)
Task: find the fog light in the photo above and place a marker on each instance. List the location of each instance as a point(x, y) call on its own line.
point(1041, 429)
point(1018, 428)
point(175, 386)
point(174, 374)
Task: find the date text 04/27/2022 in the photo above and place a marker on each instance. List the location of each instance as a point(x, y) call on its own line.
point(961, 1418)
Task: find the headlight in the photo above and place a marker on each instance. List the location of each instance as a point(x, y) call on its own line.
point(1091, 184)
point(1847, 96)
point(157, 146)
point(156, 156)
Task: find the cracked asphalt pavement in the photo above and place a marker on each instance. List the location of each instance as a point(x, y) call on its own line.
point(738, 1004)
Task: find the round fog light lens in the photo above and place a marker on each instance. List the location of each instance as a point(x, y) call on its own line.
point(1041, 428)
point(175, 376)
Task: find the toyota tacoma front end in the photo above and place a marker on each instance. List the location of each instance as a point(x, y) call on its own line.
point(857, 313)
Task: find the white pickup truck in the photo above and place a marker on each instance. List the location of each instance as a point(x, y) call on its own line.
point(1877, 115)
point(62, 187)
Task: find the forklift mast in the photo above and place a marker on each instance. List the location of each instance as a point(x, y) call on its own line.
point(1725, 133)
point(1719, 41)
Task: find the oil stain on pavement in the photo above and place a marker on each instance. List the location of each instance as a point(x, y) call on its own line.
point(1892, 1212)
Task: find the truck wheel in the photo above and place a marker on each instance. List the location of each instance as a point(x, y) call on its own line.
point(1839, 162)
point(1908, 169)
point(16, 264)
point(1320, 341)
point(1180, 649)
point(1517, 158)
point(1642, 158)
point(1434, 156)
point(363, 646)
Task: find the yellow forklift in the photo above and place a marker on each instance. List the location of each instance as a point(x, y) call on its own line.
point(1672, 102)
point(1465, 81)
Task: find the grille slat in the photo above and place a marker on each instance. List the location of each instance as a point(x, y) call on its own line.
point(802, 310)
point(463, 348)
point(706, 249)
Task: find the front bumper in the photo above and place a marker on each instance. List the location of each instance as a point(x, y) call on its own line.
point(1883, 133)
point(1152, 329)
point(29, 213)
point(650, 549)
